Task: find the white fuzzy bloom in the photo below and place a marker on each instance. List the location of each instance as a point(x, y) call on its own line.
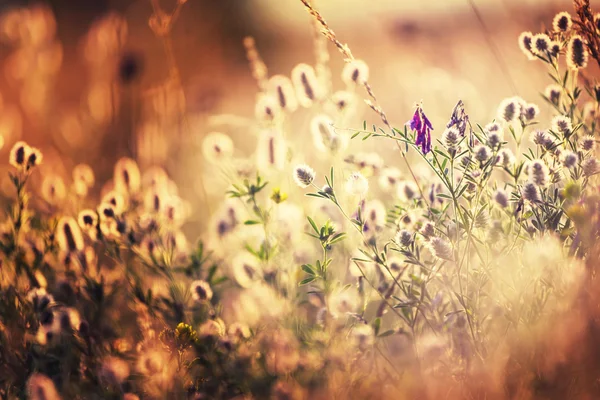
point(389, 178)
point(501, 198)
point(569, 159)
point(304, 175)
point(538, 172)
point(324, 136)
point(506, 157)
point(451, 137)
point(201, 291)
point(588, 143)
point(357, 185)
point(441, 248)
point(408, 190)
point(267, 108)
point(509, 109)
point(404, 237)
point(561, 124)
point(590, 167)
point(530, 111)
point(531, 192)
point(306, 84)
point(217, 147)
point(562, 22)
point(356, 72)
point(282, 89)
point(482, 153)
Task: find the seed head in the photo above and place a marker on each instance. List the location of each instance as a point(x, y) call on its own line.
point(87, 219)
point(538, 172)
point(569, 159)
point(267, 108)
point(493, 127)
point(451, 137)
point(306, 84)
point(552, 93)
point(509, 110)
point(428, 230)
point(404, 237)
point(530, 111)
point(441, 249)
point(590, 167)
point(562, 22)
point(53, 189)
point(408, 190)
point(303, 175)
point(506, 157)
point(356, 72)
point(482, 153)
point(357, 184)
point(281, 88)
point(540, 44)
point(577, 53)
point(494, 139)
point(217, 147)
point(588, 143)
point(525, 43)
point(127, 176)
point(562, 124)
point(68, 235)
point(501, 198)
point(19, 154)
point(540, 138)
point(531, 192)
point(201, 291)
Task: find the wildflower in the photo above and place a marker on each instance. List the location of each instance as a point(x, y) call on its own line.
point(588, 143)
point(577, 53)
point(19, 154)
point(494, 139)
point(87, 219)
point(306, 84)
point(540, 138)
point(555, 48)
point(270, 150)
point(441, 248)
point(357, 184)
point(540, 44)
point(404, 237)
point(408, 190)
point(127, 176)
point(493, 127)
point(482, 219)
point(363, 336)
point(509, 109)
point(83, 179)
point(374, 215)
point(201, 291)
point(343, 100)
point(450, 138)
point(422, 126)
point(68, 235)
point(282, 89)
point(590, 167)
point(501, 198)
point(324, 138)
point(552, 93)
point(389, 178)
point(53, 189)
point(482, 153)
point(525, 43)
point(529, 111)
point(303, 175)
point(356, 72)
point(531, 192)
point(40, 298)
point(267, 108)
point(116, 200)
point(245, 270)
point(328, 190)
point(562, 22)
point(460, 120)
point(428, 230)
point(35, 157)
point(106, 211)
point(40, 387)
point(590, 111)
point(217, 147)
point(538, 172)
point(569, 159)
point(562, 124)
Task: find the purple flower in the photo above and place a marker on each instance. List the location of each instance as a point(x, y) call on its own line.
point(422, 126)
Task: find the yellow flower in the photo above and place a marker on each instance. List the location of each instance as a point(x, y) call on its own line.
point(277, 196)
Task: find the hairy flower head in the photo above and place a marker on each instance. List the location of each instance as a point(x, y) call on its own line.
point(303, 175)
point(562, 22)
point(577, 53)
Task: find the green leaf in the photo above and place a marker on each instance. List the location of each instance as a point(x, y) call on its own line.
point(307, 281)
point(312, 223)
point(389, 332)
point(308, 269)
point(376, 325)
point(251, 222)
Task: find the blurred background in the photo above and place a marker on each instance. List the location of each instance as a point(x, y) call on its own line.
point(94, 80)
